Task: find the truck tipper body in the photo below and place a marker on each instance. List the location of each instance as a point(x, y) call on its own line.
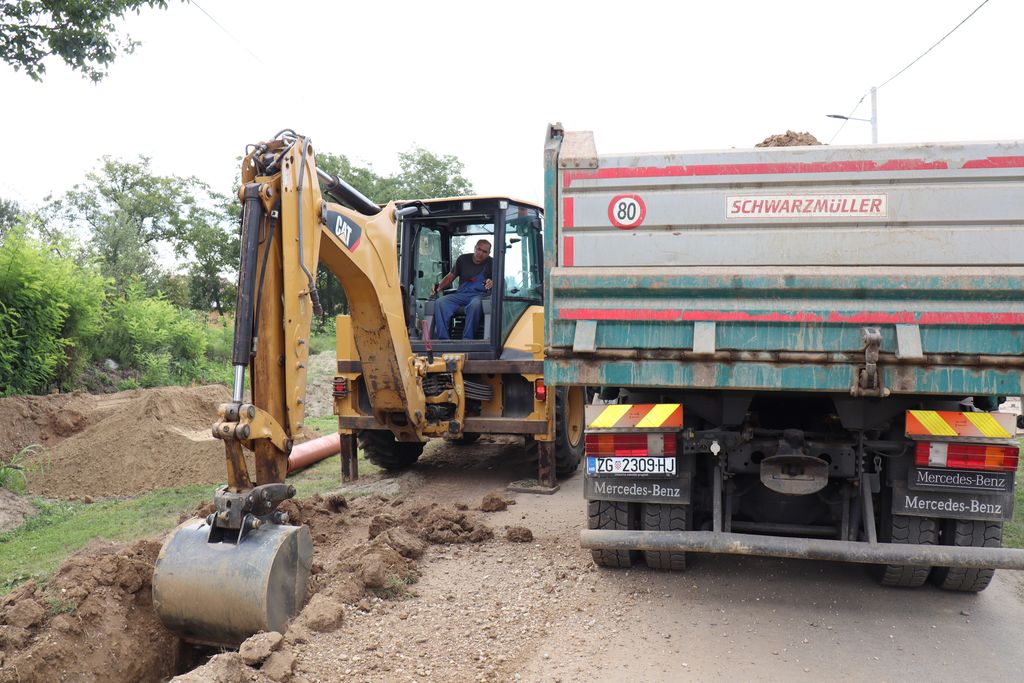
point(801, 350)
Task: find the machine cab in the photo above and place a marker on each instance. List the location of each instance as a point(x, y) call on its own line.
point(432, 242)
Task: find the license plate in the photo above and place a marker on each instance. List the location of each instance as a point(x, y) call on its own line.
point(662, 466)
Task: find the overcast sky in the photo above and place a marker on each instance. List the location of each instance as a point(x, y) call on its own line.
point(481, 80)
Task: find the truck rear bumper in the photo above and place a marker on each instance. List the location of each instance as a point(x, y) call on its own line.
point(803, 548)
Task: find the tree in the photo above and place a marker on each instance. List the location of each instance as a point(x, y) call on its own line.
point(127, 212)
point(214, 251)
point(376, 187)
point(10, 215)
point(425, 175)
point(80, 32)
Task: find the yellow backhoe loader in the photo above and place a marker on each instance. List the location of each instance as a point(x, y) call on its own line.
point(402, 376)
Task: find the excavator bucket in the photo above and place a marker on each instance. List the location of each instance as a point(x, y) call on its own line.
point(222, 593)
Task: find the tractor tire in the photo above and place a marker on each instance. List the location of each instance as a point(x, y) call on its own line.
point(906, 529)
point(570, 406)
point(466, 439)
point(968, 533)
point(383, 451)
point(661, 517)
point(609, 514)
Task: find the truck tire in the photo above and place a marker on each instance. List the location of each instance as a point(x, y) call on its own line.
point(906, 529)
point(968, 533)
point(382, 450)
point(661, 517)
point(610, 514)
point(570, 406)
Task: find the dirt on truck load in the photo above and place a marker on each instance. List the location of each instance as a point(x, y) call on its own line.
point(789, 139)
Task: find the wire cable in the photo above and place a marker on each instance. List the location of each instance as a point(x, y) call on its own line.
point(893, 77)
point(847, 119)
point(964, 21)
point(226, 32)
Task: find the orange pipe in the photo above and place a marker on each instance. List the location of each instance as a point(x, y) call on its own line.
point(309, 452)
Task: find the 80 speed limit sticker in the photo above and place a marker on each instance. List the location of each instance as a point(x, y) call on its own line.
point(627, 211)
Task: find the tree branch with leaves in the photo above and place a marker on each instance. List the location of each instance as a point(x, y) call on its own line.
point(80, 32)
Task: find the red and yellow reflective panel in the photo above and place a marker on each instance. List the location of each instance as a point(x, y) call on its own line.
point(639, 416)
point(953, 424)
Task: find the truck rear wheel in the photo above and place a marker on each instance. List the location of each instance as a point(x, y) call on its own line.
point(382, 450)
point(660, 517)
point(906, 529)
point(968, 533)
point(570, 405)
point(611, 514)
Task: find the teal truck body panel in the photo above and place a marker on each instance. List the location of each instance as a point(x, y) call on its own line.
point(627, 303)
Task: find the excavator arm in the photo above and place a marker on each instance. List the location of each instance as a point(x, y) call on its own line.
point(243, 569)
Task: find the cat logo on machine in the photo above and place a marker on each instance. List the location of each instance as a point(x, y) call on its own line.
point(345, 229)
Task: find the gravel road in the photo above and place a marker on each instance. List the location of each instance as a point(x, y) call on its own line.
point(540, 611)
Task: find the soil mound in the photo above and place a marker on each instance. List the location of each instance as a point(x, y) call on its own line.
point(789, 139)
point(494, 502)
point(47, 420)
point(157, 438)
point(93, 618)
point(445, 524)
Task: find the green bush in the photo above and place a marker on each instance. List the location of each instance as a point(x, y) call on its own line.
point(220, 337)
point(164, 343)
point(51, 310)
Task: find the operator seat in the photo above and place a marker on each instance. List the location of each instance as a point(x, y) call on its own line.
point(459, 318)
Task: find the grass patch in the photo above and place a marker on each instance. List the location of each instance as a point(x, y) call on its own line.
point(36, 548)
point(328, 424)
point(322, 341)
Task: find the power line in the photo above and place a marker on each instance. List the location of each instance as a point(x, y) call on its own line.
point(891, 78)
point(228, 33)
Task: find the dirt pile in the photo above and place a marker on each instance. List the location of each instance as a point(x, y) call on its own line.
point(93, 619)
point(146, 440)
point(48, 420)
point(495, 502)
point(365, 551)
point(789, 139)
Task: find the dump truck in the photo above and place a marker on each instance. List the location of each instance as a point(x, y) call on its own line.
point(244, 568)
point(801, 350)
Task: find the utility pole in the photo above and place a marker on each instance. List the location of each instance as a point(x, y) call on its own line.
point(874, 116)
